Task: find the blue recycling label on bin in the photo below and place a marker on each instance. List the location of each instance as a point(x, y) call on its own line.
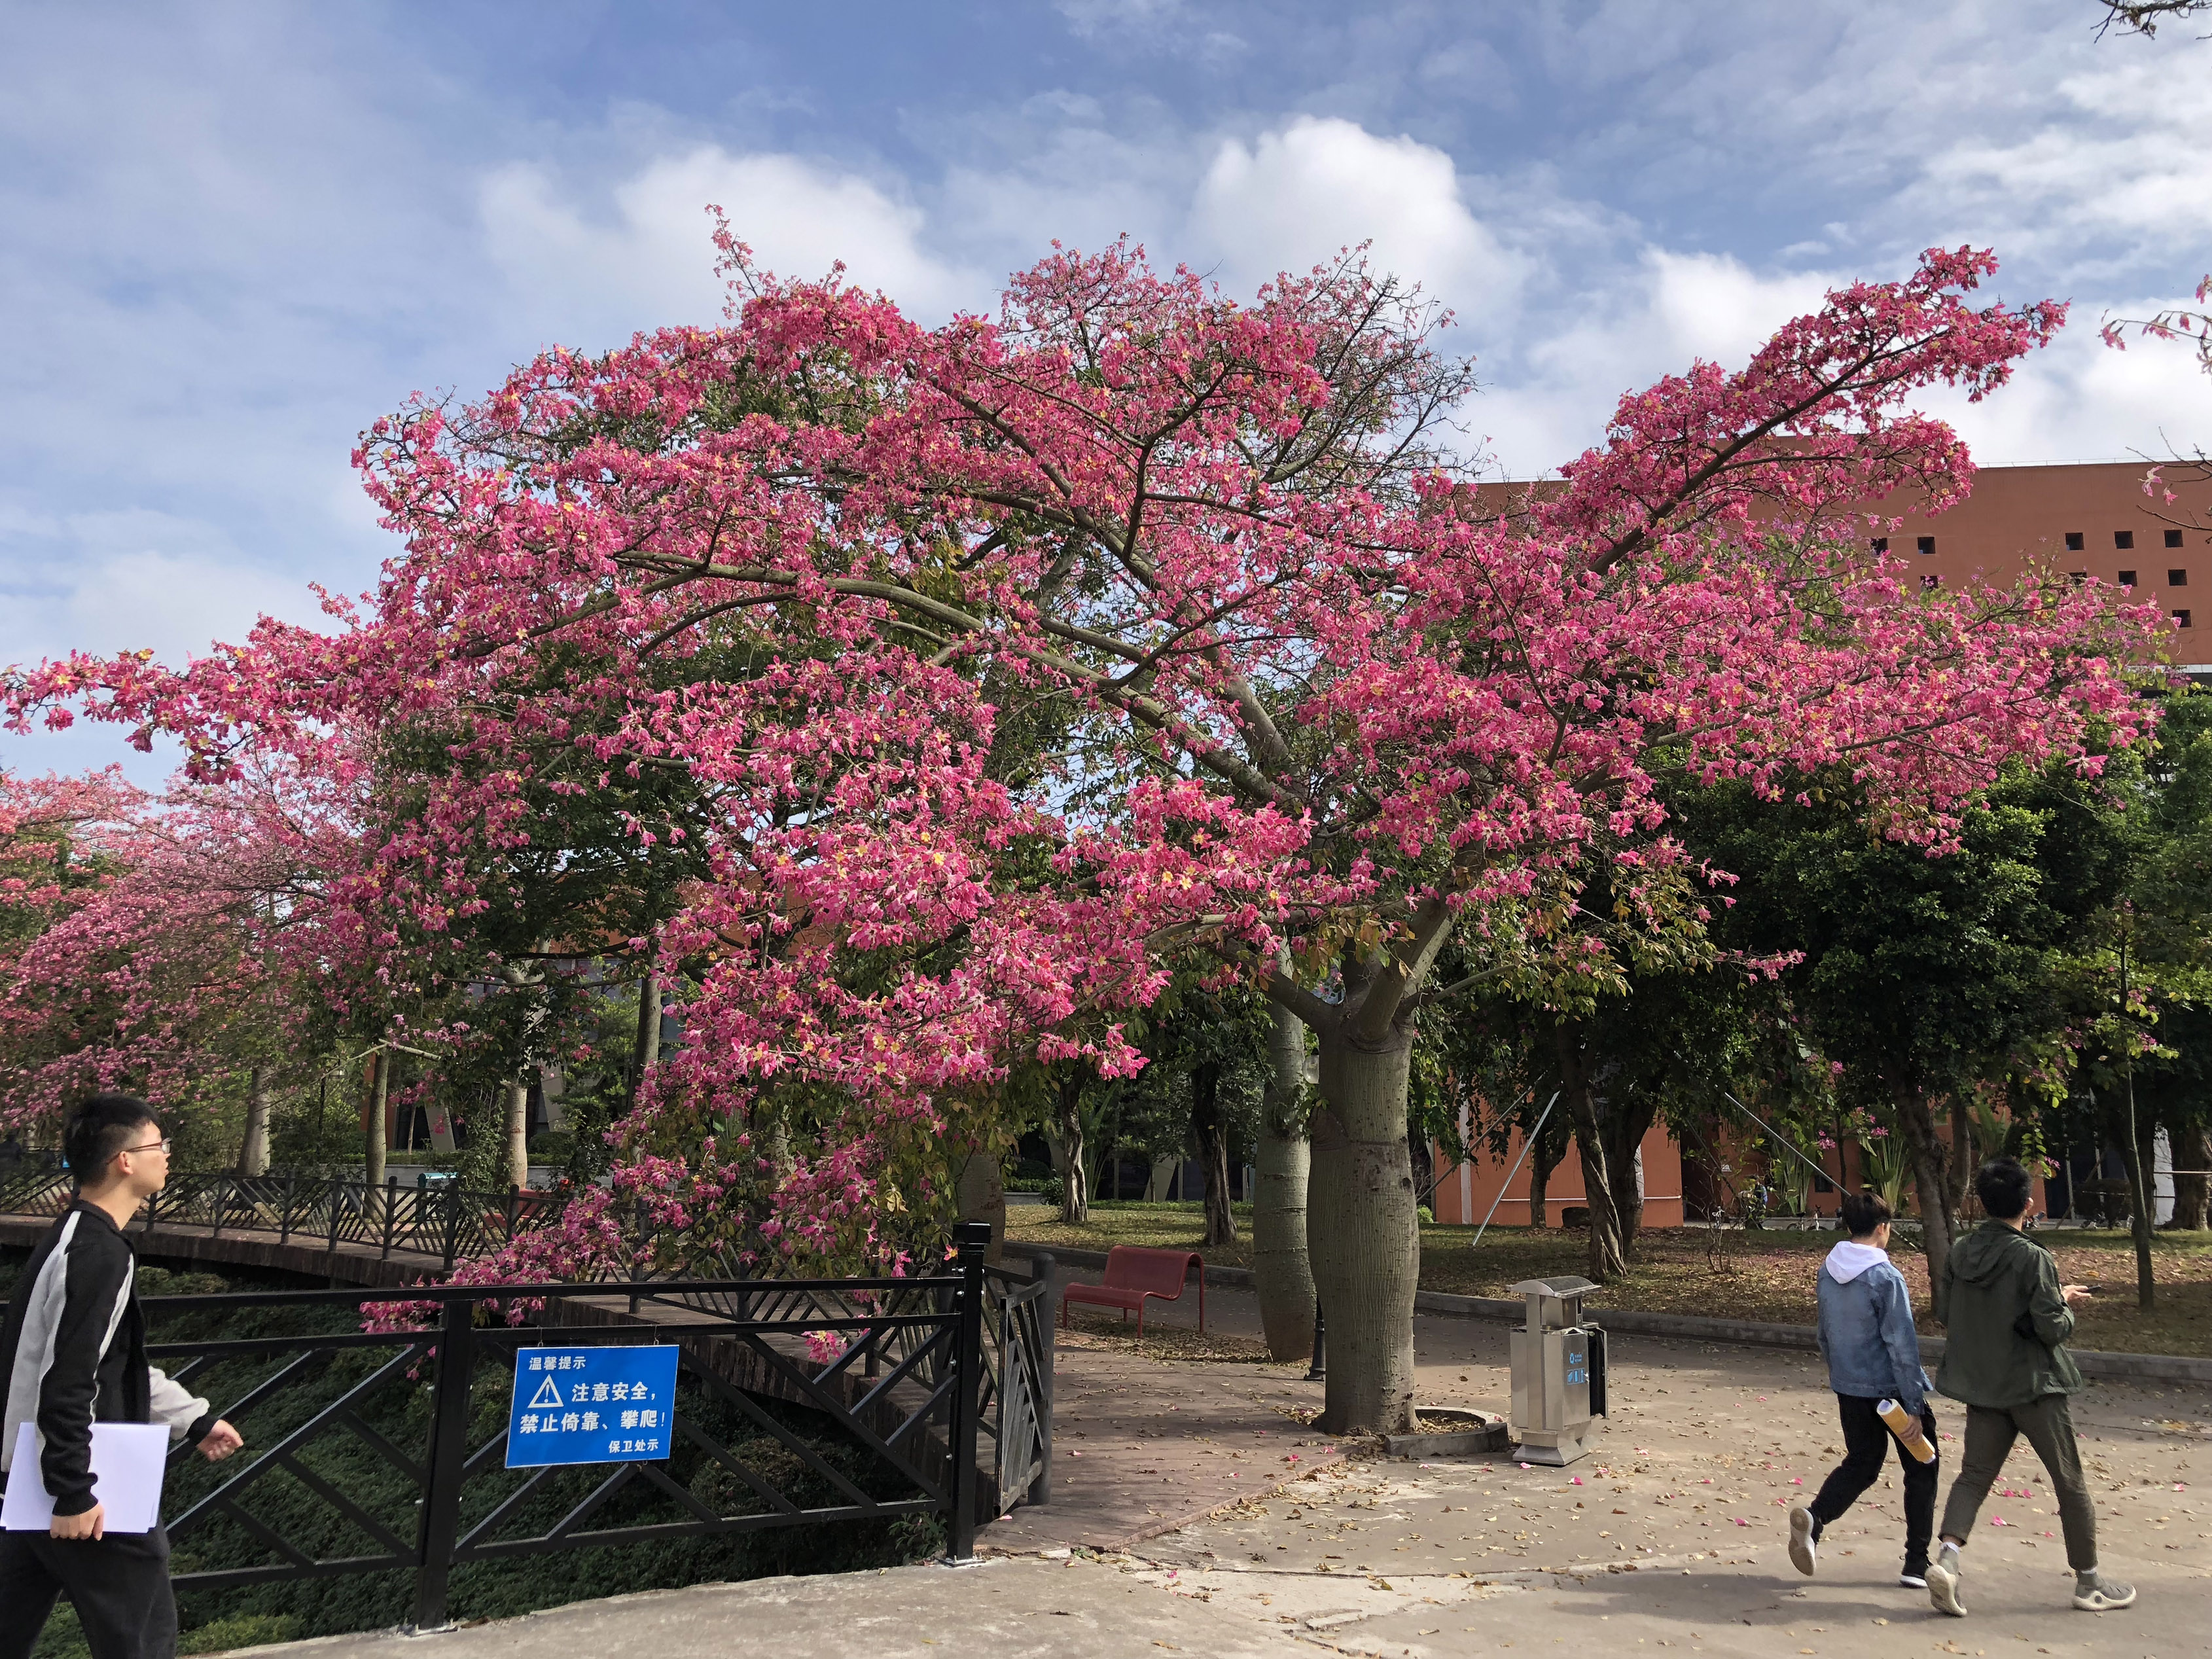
point(592, 1406)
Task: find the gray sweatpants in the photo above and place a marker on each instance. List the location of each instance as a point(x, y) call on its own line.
point(2049, 1426)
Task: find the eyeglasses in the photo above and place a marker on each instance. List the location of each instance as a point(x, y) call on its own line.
point(161, 1146)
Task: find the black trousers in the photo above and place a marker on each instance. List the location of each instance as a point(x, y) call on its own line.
point(1866, 1441)
point(119, 1584)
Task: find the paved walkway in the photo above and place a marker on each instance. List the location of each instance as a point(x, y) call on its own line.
point(1671, 1535)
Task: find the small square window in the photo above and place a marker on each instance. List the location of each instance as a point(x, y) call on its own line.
point(2123, 538)
point(2127, 579)
point(2176, 579)
point(2181, 619)
point(1931, 580)
point(1881, 544)
point(2074, 541)
point(1927, 543)
point(2174, 538)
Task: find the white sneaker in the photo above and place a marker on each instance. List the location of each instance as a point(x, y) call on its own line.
point(2103, 1594)
point(1804, 1546)
point(1943, 1585)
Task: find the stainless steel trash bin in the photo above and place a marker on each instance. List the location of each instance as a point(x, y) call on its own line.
point(1558, 1372)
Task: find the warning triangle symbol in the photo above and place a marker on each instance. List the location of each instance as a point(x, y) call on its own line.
point(547, 1395)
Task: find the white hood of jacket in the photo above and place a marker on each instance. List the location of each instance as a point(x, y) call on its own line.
point(1848, 1260)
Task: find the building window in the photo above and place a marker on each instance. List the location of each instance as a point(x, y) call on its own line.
point(2127, 579)
point(2074, 541)
point(2174, 538)
point(2077, 577)
point(2181, 619)
point(1881, 544)
point(2176, 579)
point(1931, 581)
point(2123, 538)
point(1927, 543)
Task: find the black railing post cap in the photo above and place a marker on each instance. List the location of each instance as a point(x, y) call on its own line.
point(973, 1238)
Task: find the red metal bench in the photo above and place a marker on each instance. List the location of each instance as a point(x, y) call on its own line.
point(1135, 1272)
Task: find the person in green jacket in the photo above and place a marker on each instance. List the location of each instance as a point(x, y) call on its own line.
point(2006, 1319)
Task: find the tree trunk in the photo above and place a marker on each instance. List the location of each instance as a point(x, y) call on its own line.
point(1212, 1135)
point(1541, 1165)
point(1931, 1186)
point(772, 1136)
point(1608, 1250)
point(372, 1129)
point(1364, 1238)
point(1158, 1178)
point(2142, 1141)
point(1965, 1157)
point(1074, 1188)
point(1626, 1124)
point(980, 1190)
point(647, 1054)
point(2192, 1193)
point(1421, 1158)
point(517, 1116)
point(253, 1151)
point(1281, 1274)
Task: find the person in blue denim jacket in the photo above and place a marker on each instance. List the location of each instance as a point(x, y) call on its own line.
point(1873, 1350)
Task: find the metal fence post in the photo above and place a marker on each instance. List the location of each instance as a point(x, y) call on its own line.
point(390, 1212)
point(1318, 1371)
point(449, 1450)
point(284, 1221)
point(513, 1204)
point(636, 1264)
point(221, 1201)
point(332, 1185)
point(1040, 1488)
point(974, 1238)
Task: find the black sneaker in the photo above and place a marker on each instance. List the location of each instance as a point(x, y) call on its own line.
point(1915, 1576)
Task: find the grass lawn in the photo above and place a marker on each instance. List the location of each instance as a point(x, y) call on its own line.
point(1765, 1276)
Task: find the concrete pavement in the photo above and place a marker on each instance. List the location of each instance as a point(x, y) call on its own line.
point(1671, 1535)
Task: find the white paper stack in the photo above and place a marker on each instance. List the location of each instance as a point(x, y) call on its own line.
point(128, 1460)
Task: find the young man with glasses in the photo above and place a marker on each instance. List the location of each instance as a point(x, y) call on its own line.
point(73, 1352)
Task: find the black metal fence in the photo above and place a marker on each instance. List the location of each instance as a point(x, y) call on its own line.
point(380, 1451)
point(443, 1220)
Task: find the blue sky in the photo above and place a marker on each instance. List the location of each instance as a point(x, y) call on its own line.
point(232, 233)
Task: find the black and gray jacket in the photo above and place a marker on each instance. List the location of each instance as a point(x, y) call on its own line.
point(74, 1351)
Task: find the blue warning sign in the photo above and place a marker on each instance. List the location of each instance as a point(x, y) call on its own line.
point(592, 1406)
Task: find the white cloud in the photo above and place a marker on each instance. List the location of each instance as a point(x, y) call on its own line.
point(2112, 177)
point(2079, 400)
point(1291, 199)
point(649, 261)
point(1557, 388)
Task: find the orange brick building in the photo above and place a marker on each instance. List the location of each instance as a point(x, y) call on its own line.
point(2089, 520)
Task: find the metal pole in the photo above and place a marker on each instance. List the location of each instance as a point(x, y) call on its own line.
point(449, 1447)
point(221, 1201)
point(1040, 1488)
point(284, 1221)
point(452, 1220)
point(390, 1212)
point(1318, 1370)
point(974, 1238)
point(332, 1184)
point(1541, 1118)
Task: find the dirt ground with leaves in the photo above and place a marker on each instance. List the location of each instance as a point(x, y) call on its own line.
point(1766, 1276)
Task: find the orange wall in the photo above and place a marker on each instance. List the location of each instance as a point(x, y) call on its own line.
point(2019, 515)
point(1465, 1193)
